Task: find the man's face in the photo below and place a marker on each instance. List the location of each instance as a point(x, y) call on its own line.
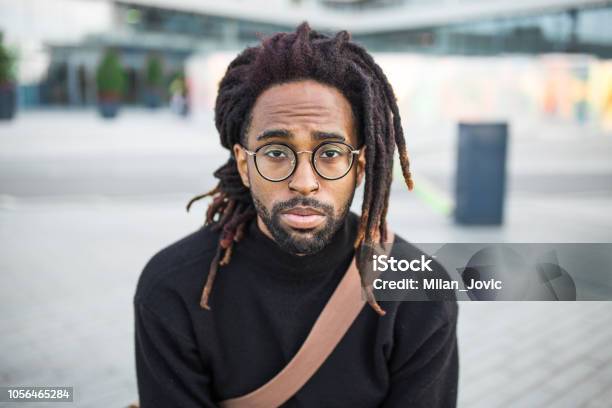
point(302, 212)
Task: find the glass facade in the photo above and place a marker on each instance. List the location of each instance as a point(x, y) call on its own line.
point(141, 30)
point(143, 19)
point(584, 30)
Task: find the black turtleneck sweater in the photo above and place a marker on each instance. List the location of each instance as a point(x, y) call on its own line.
point(264, 303)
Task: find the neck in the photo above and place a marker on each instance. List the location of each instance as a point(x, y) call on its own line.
point(259, 248)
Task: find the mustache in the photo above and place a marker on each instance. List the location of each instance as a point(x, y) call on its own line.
point(303, 202)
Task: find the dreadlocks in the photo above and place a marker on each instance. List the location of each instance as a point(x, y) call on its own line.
point(335, 61)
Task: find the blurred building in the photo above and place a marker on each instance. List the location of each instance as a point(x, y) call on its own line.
point(175, 29)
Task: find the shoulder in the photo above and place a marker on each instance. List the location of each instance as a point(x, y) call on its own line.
point(418, 308)
point(403, 247)
point(435, 271)
point(176, 266)
point(416, 322)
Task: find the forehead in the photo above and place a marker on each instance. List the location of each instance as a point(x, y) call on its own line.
point(302, 109)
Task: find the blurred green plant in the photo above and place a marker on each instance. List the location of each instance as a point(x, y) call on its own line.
point(110, 77)
point(154, 75)
point(133, 16)
point(7, 64)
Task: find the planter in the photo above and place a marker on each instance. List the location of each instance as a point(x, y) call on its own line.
point(108, 109)
point(152, 98)
point(110, 83)
point(8, 101)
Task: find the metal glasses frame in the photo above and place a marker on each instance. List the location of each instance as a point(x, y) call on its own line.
point(353, 152)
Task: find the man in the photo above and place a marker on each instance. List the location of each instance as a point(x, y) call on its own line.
point(307, 119)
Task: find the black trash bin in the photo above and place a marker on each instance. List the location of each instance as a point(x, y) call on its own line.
point(481, 173)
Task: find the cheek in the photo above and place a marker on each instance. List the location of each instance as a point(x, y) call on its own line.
point(263, 190)
point(341, 191)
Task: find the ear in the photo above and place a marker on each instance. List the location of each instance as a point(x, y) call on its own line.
point(242, 164)
point(361, 162)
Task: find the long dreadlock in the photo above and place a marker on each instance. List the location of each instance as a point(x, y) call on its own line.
point(336, 61)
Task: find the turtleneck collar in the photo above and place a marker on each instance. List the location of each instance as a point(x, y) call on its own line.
point(264, 251)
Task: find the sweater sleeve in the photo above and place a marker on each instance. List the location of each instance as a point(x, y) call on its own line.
point(424, 373)
point(169, 370)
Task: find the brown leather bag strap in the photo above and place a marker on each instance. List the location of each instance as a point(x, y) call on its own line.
point(334, 321)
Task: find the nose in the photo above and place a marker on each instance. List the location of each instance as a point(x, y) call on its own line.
point(304, 179)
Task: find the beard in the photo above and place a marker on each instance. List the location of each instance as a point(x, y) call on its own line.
point(302, 241)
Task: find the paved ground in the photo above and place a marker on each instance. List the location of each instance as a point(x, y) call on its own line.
point(84, 204)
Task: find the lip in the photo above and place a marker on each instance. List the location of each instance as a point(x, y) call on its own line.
point(303, 211)
point(303, 217)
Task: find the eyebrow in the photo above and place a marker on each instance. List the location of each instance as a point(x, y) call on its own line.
point(268, 134)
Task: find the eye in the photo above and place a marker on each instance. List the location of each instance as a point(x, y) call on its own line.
point(275, 154)
point(330, 154)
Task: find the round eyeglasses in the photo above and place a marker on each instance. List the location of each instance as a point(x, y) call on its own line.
point(277, 161)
